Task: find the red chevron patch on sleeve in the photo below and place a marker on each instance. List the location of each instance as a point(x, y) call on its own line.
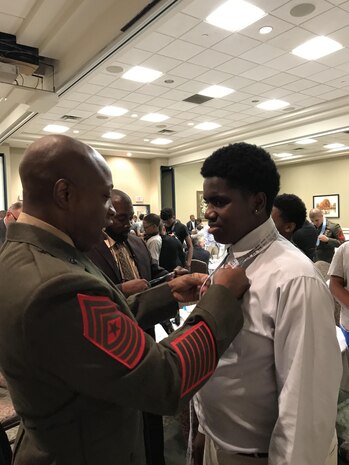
point(197, 352)
point(111, 330)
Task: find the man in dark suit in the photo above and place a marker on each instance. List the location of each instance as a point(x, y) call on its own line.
point(125, 259)
point(192, 223)
point(199, 252)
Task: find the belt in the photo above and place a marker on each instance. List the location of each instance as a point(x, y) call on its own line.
point(258, 455)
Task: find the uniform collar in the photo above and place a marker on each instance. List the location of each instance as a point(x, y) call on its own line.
point(29, 219)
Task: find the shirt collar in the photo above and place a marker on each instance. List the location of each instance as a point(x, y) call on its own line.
point(32, 220)
point(253, 238)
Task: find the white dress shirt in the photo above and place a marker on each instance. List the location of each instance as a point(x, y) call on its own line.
point(275, 389)
point(154, 244)
point(340, 267)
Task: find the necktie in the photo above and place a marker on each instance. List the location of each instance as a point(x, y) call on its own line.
point(124, 262)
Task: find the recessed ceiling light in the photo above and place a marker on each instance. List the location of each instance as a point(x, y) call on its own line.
point(134, 115)
point(55, 128)
point(154, 117)
point(112, 111)
point(273, 104)
point(316, 48)
point(305, 141)
point(141, 74)
point(113, 135)
point(265, 30)
point(146, 140)
point(190, 124)
point(207, 126)
point(344, 147)
point(216, 91)
point(129, 154)
point(161, 141)
point(335, 145)
point(76, 131)
point(114, 69)
point(235, 15)
point(283, 155)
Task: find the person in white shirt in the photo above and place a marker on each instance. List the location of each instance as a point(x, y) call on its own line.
point(273, 397)
point(152, 237)
point(339, 275)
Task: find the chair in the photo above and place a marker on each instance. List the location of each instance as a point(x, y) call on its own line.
point(198, 266)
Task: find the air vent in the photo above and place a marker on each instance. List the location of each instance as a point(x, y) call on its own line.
point(70, 118)
point(198, 99)
point(298, 148)
point(166, 131)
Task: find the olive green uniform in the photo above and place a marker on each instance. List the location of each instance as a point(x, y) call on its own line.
point(79, 368)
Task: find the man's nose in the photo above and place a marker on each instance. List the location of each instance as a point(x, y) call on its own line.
point(111, 209)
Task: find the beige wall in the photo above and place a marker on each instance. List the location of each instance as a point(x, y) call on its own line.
point(188, 180)
point(137, 177)
point(317, 178)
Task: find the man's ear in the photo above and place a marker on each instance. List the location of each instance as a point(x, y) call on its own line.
point(62, 193)
point(260, 202)
point(290, 227)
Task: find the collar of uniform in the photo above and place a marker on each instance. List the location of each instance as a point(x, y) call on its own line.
point(253, 238)
point(29, 219)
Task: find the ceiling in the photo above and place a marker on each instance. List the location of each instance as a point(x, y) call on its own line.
point(173, 37)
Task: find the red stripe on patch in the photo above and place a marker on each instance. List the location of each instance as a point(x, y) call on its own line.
point(111, 330)
point(197, 353)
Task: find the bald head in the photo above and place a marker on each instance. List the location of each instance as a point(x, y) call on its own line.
point(62, 180)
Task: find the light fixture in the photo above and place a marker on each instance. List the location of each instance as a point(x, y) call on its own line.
point(273, 104)
point(112, 111)
point(134, 115)
point(76, 131)
point(283, 155)
point(56, 128)
point(146, 140)
point(207, 126)
point(154, 117)
point(161, 141)
point(265, 30)
point(235, 15)
point(190, 124)
point(113, 135)
point(305, 141)
point(344, 147)
point(335, 145)
point(316, 48)
point(141, 74)
point(216, 91)
point(129, 154)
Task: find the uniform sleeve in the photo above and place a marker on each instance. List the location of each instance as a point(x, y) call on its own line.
point(76, 331)
point(337, 238)
point(308, 373)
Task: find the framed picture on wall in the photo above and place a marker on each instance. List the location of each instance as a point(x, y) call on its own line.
point(328, 204)
point(200, 205)
point(139, 208)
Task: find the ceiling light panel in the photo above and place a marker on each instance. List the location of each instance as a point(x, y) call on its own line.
point(316, 48)
point(142, 74)
point(207, 126)
point(55, 128)
point(154, 117)
point(235, 15)
point(273, 104)
point(112, 111)
point(161, 141)
point(217, 91)
point(305, 141)
point(335, 145)
point(113, 135)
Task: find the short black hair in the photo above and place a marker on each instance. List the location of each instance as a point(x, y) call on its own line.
point(166, 214)
point(152, 219)
point(292, 209)
point(245, 167)
point(141, 216)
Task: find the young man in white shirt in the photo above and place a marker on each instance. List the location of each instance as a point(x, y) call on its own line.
point(273, 397)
